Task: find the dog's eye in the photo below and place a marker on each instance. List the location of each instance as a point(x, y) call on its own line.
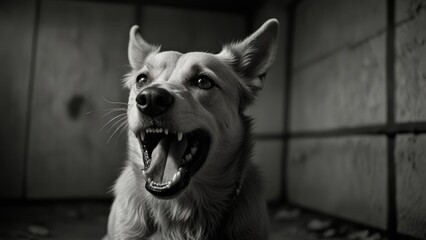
point(204, 82)
point(141, 78)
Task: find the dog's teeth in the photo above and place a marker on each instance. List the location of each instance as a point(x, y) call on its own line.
point(176, 177)
point(194, 150)
point(149, 180)
point(188, 157)
point(179, 136)
point(144, 173)
point(166, 131)
point(148, 130)
point(142, 136)
point(160, 130)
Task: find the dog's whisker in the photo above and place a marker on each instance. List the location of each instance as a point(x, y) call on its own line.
point(113, 102)
point(104, 110)
point(117, 122)
point(126, 126)
point(120, 115)
point(121, 125)
point(113, 111)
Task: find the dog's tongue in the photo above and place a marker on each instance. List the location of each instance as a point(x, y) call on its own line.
point(165, 158)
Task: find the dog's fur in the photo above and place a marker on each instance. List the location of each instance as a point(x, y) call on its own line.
point(210, 206)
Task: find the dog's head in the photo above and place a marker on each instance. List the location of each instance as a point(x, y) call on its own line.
point(184, 110)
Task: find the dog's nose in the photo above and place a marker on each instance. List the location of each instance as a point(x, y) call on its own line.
point(154, 101)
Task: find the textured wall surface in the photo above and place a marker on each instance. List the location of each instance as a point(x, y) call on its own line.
point(344, 90)
point(82, 56)
point(410, 155)
point(410, 64)
point(344, 176)
point(322, 26)
point(16, 31)
point(340, 79)
point(268, 156)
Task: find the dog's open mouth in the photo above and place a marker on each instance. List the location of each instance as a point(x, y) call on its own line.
point(171, 159)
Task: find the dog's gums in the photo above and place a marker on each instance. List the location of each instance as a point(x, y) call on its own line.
point(171, 158)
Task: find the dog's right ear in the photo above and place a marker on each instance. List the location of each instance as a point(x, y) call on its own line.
point(139, 49)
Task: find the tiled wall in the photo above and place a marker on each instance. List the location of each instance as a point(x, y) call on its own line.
point(358, 112)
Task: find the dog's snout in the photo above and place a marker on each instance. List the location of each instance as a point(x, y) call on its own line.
point(154, 101)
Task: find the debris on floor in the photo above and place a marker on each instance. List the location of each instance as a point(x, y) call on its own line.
point(38, 230)
point(88, 221)
point(295, 224)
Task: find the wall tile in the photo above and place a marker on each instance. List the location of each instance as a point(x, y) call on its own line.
point(410, 155)
point(268, 156)
point(410, 70)
point(342, 176)
point(323, 26)
point(345, 90)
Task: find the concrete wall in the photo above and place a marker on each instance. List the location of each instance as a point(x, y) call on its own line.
point(341, 121)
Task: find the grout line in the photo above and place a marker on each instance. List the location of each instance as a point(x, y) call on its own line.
point(391, 179)
point(392, 221)
point(30, 94)
point(380, 129)
point(287, 95)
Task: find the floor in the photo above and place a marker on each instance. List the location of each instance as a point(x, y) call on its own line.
point(87, 221)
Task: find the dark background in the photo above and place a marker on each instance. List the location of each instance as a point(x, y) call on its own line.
point(339, 124)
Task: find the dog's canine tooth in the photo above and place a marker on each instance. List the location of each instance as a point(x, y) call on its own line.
point(176, 177)
point(144, 173)
point(142, 135)
point(194, 150)
point(160, 130)
point(149, 180)
point(166, 131)
point(179, 136)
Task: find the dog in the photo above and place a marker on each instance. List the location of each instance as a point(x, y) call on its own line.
point(189, 173)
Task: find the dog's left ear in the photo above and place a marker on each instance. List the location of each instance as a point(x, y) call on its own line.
point(255, 54)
